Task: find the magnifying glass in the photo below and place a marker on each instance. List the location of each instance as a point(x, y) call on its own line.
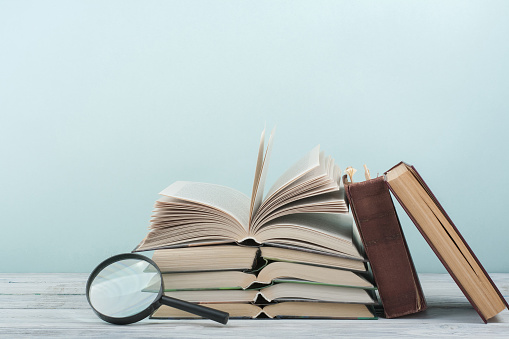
point(127, 288)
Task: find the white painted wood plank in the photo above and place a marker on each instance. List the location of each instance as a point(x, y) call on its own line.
point(55, 316)
point(54, 305)
point(43, 283)
point(57, 323)
point(65, 301)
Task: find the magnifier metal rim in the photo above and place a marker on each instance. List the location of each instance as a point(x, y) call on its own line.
point(138, 316)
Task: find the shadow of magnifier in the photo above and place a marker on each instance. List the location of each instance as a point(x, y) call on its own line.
point(127, 288)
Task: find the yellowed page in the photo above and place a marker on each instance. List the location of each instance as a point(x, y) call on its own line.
point(261, 175)
point(222, 198)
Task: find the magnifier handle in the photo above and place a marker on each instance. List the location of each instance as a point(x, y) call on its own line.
point(203, 311)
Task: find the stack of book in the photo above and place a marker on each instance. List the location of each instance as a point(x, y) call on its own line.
point(282, 287)
point(293, 253)
point(314, 246)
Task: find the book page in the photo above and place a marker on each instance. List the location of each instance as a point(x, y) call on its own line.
point(215, 296)
point(313, 182)
point(258, 171)
point(261, 174)
point(205, 258)
point(301, 273)
point(300, 168)
point(313, 258)
point(317, 231)
point(236, 310)
point(335, 224)
point(291, 291)
point(207, 280)
point(222, 198)
point(318, 310)
point(323, 203)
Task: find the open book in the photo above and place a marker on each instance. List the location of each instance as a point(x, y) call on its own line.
point(243, 258)
point(287, 291)
point(274, 272)
point(304, 209)
point(385, 246)
point(279, 310)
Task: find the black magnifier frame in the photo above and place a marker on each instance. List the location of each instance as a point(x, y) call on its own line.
point(206, 312)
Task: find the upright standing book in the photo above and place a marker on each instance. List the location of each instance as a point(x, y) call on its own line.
point(386, 248)
point(446, 241)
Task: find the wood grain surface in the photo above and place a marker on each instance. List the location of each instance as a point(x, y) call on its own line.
point(54, 305)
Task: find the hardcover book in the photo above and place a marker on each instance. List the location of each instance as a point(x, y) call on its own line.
point(271, 273)
point(444, 238)
point(279, 310)
point(386, 248)
point(244, 258)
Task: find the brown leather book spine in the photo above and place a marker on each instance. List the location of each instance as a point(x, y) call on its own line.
point(386, 249)
point(430, 243)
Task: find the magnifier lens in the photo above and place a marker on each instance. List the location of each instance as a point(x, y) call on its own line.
point(128, 287)
point(125, 288)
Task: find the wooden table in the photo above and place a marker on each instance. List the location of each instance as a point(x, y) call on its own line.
point(54, 305)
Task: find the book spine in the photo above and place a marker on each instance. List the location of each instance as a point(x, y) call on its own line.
point(385, 245)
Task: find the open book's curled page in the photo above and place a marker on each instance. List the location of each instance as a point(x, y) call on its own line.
point(262, 166)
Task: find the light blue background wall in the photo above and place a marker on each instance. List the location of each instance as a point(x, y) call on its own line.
point(104, 104)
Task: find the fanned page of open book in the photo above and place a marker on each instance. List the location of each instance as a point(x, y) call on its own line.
point(301, 167)
point(329, 232)
point(262, 165)
point(226, 199)
point(311, 185)
point(191, 213)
